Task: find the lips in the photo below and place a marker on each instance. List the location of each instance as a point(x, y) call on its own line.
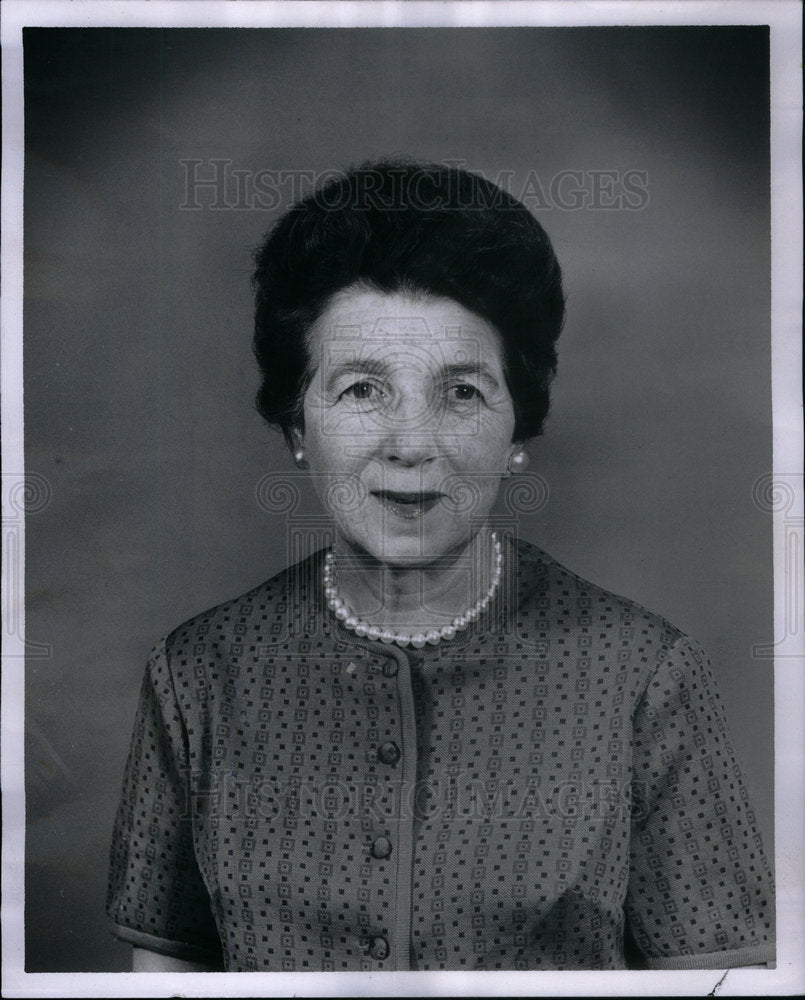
point(408, 505)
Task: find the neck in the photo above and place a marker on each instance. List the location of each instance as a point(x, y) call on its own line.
point(415, 598)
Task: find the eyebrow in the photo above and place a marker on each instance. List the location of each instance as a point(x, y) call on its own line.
point(478, 369)
point(355, 366)
point(374, 367)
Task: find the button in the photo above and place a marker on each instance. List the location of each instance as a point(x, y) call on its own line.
point(390, 668)
point(389, 753)
point(381, 848)
point(379, 948)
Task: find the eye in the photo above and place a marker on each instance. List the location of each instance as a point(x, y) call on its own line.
point(361, 390)
point(463, 392)
point(364, 391)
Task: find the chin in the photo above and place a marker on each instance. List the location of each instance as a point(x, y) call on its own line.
point(413, 552)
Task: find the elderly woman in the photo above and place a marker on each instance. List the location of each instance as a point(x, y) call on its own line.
point(428, 745)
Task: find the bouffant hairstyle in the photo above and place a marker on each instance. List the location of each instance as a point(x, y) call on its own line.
point(402, 226)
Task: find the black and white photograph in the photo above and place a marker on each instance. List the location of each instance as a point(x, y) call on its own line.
point(402, 499)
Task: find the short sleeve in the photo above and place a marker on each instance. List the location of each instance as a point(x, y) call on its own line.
point(156, 897)
point(700, 890)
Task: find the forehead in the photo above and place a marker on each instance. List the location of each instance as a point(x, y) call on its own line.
point(399, 324)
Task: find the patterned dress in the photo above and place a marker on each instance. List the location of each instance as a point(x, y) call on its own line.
point(553, 789)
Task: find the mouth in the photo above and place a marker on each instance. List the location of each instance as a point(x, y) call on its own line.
point(407, 505)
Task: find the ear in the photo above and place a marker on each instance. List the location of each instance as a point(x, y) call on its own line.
point(296, 439)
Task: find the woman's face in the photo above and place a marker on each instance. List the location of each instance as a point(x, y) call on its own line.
point(408, 423)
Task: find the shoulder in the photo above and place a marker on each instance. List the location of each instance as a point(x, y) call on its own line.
point(266, 610)
point(541, 578)
point(573, 613)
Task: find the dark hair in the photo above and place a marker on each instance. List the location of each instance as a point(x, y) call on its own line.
point(402, 226)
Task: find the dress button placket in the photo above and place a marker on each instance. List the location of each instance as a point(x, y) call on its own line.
point(397, 850)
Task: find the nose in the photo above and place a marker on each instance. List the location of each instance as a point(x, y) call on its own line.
point(409, 451)
point(410, 433)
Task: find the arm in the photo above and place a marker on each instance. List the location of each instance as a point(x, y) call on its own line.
point(143, 960)
point(157, 899)
point(700, 890)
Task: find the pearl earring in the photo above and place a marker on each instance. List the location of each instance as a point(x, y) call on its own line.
point(518, 462)
point(299, 458)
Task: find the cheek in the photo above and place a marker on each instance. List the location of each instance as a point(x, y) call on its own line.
point(331, 458)
point(489, 448)
point(333, 432)
point(482, 462)
point(334, 468)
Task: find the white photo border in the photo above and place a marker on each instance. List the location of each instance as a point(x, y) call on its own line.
point(784, 19)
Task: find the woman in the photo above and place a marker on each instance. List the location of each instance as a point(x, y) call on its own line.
point(428, 745)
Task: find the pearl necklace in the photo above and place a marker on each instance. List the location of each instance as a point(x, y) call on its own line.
point(434, 636)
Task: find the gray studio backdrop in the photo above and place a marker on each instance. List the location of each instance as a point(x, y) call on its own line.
point(645, 154)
